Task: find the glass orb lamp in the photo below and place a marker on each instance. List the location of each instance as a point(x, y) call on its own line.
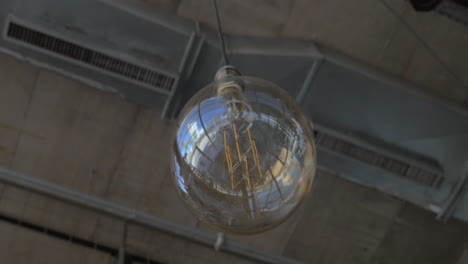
point(244, 156)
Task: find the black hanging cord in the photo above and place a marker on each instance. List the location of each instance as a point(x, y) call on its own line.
point(220, 33)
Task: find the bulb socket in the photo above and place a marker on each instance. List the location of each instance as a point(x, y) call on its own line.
point(226, 72)
point(224, 85)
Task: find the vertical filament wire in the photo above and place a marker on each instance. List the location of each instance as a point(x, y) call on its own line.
point(237, 142)
point(228, 160)
point(247, 172)
point(255, 153)
point(242, 157)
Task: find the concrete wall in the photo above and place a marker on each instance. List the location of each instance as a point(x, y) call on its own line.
point(70, 134)
point(94, 142)
point(19, 245)
point(347, 223)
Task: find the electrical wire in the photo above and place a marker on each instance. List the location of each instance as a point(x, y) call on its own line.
point(428, 48)
point(220, 33)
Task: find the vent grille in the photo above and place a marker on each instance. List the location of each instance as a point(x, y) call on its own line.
point(396, 167)
point(94, 58)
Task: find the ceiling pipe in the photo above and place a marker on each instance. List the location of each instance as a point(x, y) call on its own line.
point(130, 215)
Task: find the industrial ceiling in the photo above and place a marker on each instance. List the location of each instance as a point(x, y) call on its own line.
point(365, 120)
point(372, 128)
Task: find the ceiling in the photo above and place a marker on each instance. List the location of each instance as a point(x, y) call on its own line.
point(365, 30)
point(65, 132)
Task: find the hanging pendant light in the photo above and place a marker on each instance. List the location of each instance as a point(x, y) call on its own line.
point(244, 156)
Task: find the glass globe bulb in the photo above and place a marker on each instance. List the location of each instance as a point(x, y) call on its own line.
point(243, 156)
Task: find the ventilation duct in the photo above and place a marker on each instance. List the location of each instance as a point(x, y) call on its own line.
point(76, 53)
point(431, 177)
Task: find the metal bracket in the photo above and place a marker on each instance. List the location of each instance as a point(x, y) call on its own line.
point(186, 67)
point(219, 241)
point(307, 85)
point(451, 205)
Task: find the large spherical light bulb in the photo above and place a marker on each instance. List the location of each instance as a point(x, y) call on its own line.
point(243, 156)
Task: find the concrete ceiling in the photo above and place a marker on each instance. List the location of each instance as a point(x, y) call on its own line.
point(65, 132)
point(365, 30)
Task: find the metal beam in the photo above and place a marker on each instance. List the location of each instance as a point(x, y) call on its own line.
point(306, 86)
point(130, 215)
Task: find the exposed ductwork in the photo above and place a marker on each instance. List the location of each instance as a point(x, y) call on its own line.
point(371, 129)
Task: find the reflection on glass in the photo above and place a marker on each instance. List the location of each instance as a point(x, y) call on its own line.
point(243, 162)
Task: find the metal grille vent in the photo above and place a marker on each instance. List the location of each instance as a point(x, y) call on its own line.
point(396, 167)
point(85, 55)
